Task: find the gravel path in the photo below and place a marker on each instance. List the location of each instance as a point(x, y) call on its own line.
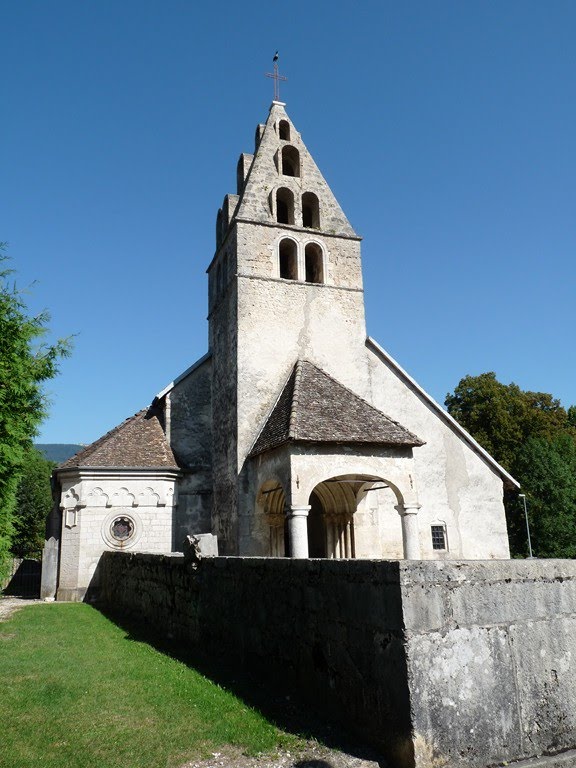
point(314, 756)
point(10, 604)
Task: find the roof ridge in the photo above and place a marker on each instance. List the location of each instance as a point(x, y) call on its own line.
point(293, 421)
point(274, 406)
point(354, 394)
point(450, 420)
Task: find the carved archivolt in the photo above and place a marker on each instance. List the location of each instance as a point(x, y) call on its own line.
point(123, 498)
point(97, 498)
point(117, 497)
point(148, 498)
point(70, 499)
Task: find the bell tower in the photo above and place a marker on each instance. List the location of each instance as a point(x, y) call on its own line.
point(285, 284)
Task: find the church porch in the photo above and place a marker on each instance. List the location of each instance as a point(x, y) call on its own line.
point(366, 509)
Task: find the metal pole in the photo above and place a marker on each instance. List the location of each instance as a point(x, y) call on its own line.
point(523, 497)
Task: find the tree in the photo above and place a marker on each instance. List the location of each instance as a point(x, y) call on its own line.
point(503, 416)
point(548, 470)
point(534, 438)
point(25, 364)
point(33, 504)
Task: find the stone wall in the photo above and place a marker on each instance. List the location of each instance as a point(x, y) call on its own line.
point(437, 663)
point(190, 432)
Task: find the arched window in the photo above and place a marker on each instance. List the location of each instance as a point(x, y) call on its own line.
point(284, 206)
point(314, 263)
point(288, 259)
point(290, 161)
point(310, 210)
point(284, 130)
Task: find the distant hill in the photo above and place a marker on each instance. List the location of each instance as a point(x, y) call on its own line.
point(58, 452)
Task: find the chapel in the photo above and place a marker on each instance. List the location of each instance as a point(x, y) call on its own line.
point(296, 434)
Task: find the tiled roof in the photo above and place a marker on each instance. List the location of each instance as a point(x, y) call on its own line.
point(137, 442)
point(315, 408)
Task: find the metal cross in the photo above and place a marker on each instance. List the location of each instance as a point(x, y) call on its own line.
point(276, 76)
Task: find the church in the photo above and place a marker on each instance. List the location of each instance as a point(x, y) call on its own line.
point(296, 435)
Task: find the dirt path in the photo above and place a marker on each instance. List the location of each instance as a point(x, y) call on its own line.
point(314, 756)
point(10, 604)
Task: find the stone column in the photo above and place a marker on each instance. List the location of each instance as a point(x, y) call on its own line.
point(410, 534)
point(298, 531)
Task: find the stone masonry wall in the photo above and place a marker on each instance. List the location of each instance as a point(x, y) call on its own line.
point(440, 664)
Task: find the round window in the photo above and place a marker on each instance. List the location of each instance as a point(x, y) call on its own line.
point(122, 529)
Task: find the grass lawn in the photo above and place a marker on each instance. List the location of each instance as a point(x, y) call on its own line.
point(76, 692)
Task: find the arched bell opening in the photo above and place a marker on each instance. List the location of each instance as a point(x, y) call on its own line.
point(284, 206)
point(284, 130)
point(271, 503)
point(310, 210)
point(288, 259)
point(290, 161)
point(314, 263)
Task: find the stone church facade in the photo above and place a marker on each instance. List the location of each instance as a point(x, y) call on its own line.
point(296, 434)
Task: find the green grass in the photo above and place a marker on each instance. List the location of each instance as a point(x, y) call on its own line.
point(76, 691)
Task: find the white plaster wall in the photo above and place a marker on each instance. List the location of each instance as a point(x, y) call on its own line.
point(89, 507)
point(455, 485)
point(322, 324)
point(378, 527)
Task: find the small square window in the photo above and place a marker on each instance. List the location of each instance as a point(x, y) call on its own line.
point(438, 537)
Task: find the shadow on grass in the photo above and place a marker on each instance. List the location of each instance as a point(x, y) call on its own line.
point(273, 698)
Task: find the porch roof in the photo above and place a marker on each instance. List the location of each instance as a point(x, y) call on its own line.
point(315, 408)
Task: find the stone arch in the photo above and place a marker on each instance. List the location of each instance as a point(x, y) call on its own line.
point(371, 470)
point(333, 502)
point(310, 210)
point(290, 161)
point(284, 130)
point(314, 263)
point(288, 259)
point(270, 512)
point(284, 206)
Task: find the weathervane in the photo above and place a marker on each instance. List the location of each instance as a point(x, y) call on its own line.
point(276, 76)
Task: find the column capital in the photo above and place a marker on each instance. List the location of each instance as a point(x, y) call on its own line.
point(301, 511)
point(410, 508)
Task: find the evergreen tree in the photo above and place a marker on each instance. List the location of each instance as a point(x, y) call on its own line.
point(33, 504)
point(25, 364)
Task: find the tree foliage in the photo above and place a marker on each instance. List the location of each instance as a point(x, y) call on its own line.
point(503, 416)
point(534, 438)
point(548, 469)
point(33, 504)
point(25, 364)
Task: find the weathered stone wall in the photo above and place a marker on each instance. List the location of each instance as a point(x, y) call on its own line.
point(490, 648)
point(440, 664)
point(190, 431)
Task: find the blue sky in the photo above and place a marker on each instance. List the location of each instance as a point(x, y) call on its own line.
point(446, 130)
